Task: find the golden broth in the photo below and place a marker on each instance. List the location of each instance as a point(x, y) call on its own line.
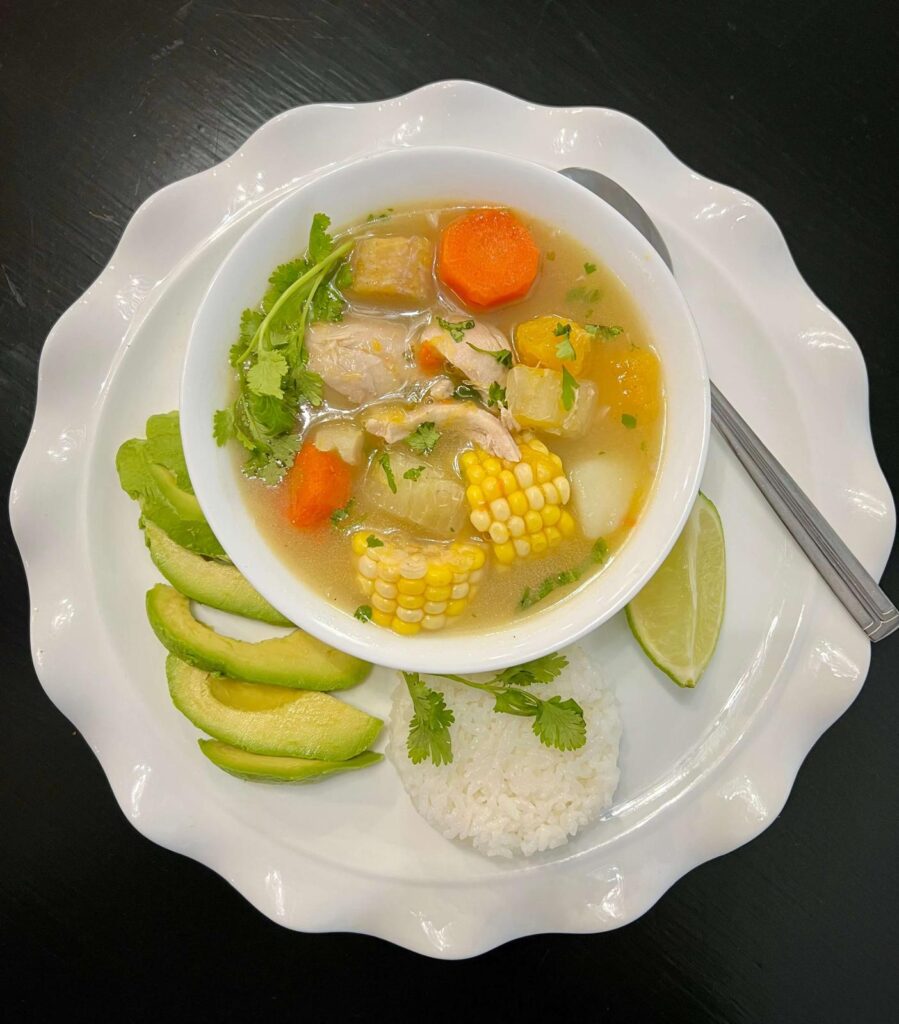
point(629, 426)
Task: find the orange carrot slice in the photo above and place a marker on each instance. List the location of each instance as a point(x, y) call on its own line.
point(429, 358)
point(318, 484)
point(488, 258)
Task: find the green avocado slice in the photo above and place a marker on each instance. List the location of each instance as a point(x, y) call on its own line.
point(270, 720)
point(260, 768)
point(296, 660)
point(208, 581)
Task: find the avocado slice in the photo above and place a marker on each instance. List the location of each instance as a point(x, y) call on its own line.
point(261, 768)
point(208, 581)
point(296, 660)
point(270, 720)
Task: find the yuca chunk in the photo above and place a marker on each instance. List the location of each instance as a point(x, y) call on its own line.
point(393, 266)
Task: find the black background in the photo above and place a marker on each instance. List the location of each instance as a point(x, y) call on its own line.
point(101, 104)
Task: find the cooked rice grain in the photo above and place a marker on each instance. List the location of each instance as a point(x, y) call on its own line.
point(506, 792)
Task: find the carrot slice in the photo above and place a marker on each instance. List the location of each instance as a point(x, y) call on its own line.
point(488, 258)
point(429, 357)
point(318, 484)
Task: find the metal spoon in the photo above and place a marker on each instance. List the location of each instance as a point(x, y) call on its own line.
point(840, 569)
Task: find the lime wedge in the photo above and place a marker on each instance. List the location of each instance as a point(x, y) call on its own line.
point(676, 617)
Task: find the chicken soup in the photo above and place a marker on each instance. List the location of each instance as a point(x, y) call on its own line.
point(448, 416)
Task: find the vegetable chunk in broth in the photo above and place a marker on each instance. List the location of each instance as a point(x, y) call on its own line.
point(449, 417)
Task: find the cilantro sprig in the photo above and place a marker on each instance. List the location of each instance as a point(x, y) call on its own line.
point(557, 723)
point(270, 355)
point(502, 355)
point(456, 330)
point(423, 440)
point(603, 330)
point(569, 388)
point(598, 554)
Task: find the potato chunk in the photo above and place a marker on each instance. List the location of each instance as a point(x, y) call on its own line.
point(535, 400)
point(393, 267)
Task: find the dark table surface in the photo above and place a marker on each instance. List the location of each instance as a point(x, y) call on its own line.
point(101, 104)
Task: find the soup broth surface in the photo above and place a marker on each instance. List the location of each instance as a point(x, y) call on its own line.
point(625, 429)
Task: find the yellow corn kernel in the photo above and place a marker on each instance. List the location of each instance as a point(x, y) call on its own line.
point(434, 607)
point(387, 590)
point(535, 497)
point(505, 553)
point(555, 460)
point(411, 586)
point(438, 593)
point(358, 543)
point(410, 600)
point(538, 543)
point(478, 557)
point(439, 576)
point(475, 474)
point(480, 519)
point(516, 526)
point(524, 474)
point(490, 488)
point(492, 466)
point(389, 573)
point(551, 515)
point(459, 591)
point(533, 521)
point(499, 533)
point(522, 547)
point(552, 536)
point(433, 622)
point(543, 472)
point(381, 618)
point(468, 459)
point(410, 614)
point(566, 524)
point(366, 586)
point(475, 495)
point(456, 607)
point(404, 628)
point(518, 503)
point(383, 604)
point(500, 510)
point(508, 482)
point(551, 494)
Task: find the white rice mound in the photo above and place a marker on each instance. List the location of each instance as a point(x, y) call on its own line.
point(505, 791)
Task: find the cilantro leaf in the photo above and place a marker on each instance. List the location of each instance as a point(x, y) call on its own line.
point(599, 552)
point(265, 375)
point(320, 242)
point(496, 395)
point(310, 386)
point(423, 440)
point(515, 702)
point(569, 388)
point(565, 350)
point(327, 304)
point(363, 613)
point(371, 541)
point(629, 421)
point(560, 330)
point(250, 322)
point(456, 330)
point(415, 473)
point(429, 735)
point(589, 268)
point(540, 670)
point(603, 331)
point(340, 515)
point(383, 215)
point(344, 277)
point(560, 724)
point(284, 275)
point(384, 463)
point(223, 426)
point(502, 355)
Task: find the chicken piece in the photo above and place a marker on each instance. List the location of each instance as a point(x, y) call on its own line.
point(393, 423)
point(393, 267)
point(478, 367)
point(360, 357)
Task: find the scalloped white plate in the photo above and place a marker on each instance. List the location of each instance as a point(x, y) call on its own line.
point(703, 771)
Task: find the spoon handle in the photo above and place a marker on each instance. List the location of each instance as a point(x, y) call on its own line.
point(840, 569)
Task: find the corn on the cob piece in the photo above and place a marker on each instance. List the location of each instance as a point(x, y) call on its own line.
point(416, 586)
point(520, 506)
